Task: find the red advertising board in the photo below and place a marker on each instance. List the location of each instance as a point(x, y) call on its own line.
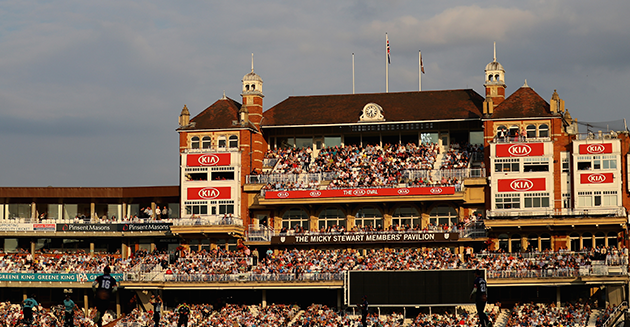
point(209, 193)
point(208, 159)
point(522, 185)
point(359, 192)
point(596, 178)
point(597, 148)
point(520, 150)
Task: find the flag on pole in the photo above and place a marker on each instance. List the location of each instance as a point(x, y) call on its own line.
point(421, 63)
point(389, 58)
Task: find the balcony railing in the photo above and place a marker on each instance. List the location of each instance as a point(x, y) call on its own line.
point(434, 174)
point(520, 139)
point(550, 213)
point(259, 233)
point(242, 277)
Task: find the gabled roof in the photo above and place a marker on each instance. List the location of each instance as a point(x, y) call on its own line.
point(523, 103)
point(218, 116)
point(401, 106)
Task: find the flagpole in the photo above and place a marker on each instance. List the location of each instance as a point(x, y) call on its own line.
point(353, 73)
point(386, 64)
point(419, 70)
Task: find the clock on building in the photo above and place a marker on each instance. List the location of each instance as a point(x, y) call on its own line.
point(372, 112)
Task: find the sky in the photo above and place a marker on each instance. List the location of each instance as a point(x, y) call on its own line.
point(90, 91)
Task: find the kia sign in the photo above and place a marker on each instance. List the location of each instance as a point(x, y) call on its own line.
point(520, 150)
point(521, 185)
point(363, 238)
point(209, 193)
point(208, 159)
point(596, 148)
point(360, 192)
point(596, 178)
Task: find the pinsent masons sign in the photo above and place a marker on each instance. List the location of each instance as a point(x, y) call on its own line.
point(596, 148)
point(359, 192)
point(596, 178)
point(365, 238)
point(521, 185)
point(208, 159)
point(116, 227)
point(520, 150)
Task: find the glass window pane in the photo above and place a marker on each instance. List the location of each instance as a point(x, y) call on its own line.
point(528, 202)
point(545, 202)
point(331, 141)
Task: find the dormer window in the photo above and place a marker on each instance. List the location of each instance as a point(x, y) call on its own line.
point(543, 130)
point(222, 142)
point(233, 141)
point(205, 142)
point(194, 142)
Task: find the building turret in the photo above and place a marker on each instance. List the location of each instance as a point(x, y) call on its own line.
point(252, 107)
point(184, 117)
point(495, 85)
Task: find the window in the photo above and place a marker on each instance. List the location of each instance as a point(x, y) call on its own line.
point(507, 201)
point(597, 162)
point(196, 207)
point(369, 216)
point(566, 200)
point(295, 217)
point(194, 142)
point(536, 200)
point(206, 142)
point(565, 165)
point(406, 215)
point(443, 215)
point(514, 130)
point(505, 165)
point(597, 199)
point(233, 141)
point(535, 164)
point(543, 130)
point(226, 207)
point(531, 131)
point(330, 217)
point(609, 162)
point(221, 142)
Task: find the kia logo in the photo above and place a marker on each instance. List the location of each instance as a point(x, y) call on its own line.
point(208, 193)
point(596, 178)
point(519, 150)
point(595, 148)
point(358, 192)
point(208, 160)
point(283, 194)
point(521, 185)
point(403, 191)
point(315, 194)
point(436, 190)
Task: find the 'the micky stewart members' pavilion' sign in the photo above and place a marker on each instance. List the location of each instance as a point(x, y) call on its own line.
point(364, 238)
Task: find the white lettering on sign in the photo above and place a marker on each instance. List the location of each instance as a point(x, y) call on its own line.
point(521, 185)
point(595, 148)
point(403, 191)
point(436, 190)
point(208, 160)
point(597, 178)
point(283, 194)
point(315, 194)
point(208, 193)
point(520, 150)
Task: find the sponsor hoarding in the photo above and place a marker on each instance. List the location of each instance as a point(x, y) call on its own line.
point(16, 227)
point(209, 193)
point(364, 238)
point(208, 159)
point(116, 227)
point(596, 178)
point(520, 150)
point(598, 148)
point(47, 277)
point(521, 185)
point(360, 192)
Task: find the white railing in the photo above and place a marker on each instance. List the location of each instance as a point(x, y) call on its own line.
point(519, 139)
point(209, 221)
point(548, 213)
point(209, 150)
point(259, 233)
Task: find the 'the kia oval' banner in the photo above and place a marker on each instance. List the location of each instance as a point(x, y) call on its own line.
point(208, 159)
point(520, 150)
point(359, 192)
point(596, 178)
point(209, 193)
point(522, 185)
point(596, 148)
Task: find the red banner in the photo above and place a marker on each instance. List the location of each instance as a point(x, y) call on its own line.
point(359, 192)
point(522, 185)
point(596, 148)
point(208, 159)
point(520, 150)
point(596, 178)
point(209, 193)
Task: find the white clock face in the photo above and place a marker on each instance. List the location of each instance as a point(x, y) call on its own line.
point(371, 111)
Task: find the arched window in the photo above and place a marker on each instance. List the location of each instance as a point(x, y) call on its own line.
point(543, 130)
point(496, 78)
point(545, 242)
point(206, 142)
point(612, 239)
point(575, 242)
point(515, 240)
point(330, 217)
point(368, 216)
point(514, 130)
point(600, 239)
point(503, 242)
point(531, 131)
point(587, 240)
point(443, 215)
point(233, 141)
point(295, 217)
point(501, 128)
point(246, 87)
point(222, 142)
point(532, 239)
point(406, 215)
point(490, 78)
point(194, 142)
point(253, 87)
